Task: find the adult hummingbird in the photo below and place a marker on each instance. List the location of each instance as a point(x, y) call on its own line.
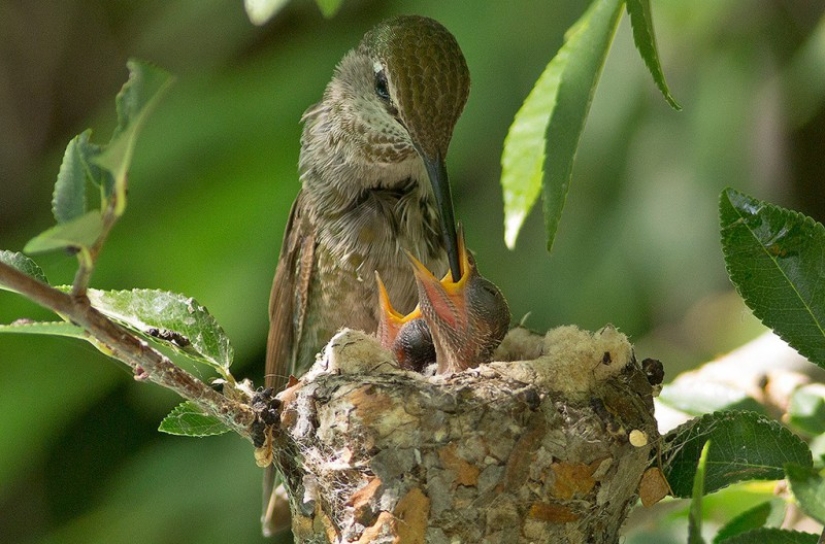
point(374, 188)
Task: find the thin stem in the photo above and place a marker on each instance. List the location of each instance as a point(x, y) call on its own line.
point(86, 265)
point(146, 362)
point(88, 257)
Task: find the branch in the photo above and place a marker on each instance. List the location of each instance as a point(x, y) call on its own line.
point(146, 362)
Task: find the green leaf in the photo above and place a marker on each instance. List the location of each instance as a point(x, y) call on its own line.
point(695, 513)
point(696, 397)
point(186, 419)
point(78, 167)
point(641, 19)
point(773, 536)
point(137, 97)
point(776, 259)
point(79, 234)
point(808, 487)
point(69, 200)
point(49, 328)
point(54, 328)
point(329, 7)
point(261, 11)
point(746, 446)
point(769, 513)
point(817, 445)
point(170, 319)
point(807, 408)
point(549, 124)
point(23, 264)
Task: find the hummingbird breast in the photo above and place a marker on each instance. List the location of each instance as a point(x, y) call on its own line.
point(360, 230)
point(367, 199)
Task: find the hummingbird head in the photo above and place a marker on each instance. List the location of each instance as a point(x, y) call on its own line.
point(400, 93)
point(421, 77)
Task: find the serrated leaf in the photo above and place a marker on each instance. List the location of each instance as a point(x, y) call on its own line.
point(137, 97)
point(746, 446)
point(776, 259)
point(769, 513)
point(23, 264)
point(69, 199)
point(78, 167)
point(261, 11)
point(772, 536)
point(170, 319)
point(641, 20)
point(549, 124)
point(695, 513)
point(79, 233)
point(49, 328)
point(808, 487)
point(54, 328)
point(186, 419)
point(329, 7)
point(806, 410)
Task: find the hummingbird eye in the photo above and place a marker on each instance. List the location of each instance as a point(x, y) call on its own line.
point(381, 88)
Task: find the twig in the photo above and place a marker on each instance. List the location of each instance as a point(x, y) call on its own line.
point(88, 257)
point(146, 362)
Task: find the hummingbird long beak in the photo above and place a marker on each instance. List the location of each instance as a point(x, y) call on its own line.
point(467, 318)
point(437, 171)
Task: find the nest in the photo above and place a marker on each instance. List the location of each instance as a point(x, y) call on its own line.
point(548, 444)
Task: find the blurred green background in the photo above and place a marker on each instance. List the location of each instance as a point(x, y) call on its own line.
point(215, 173)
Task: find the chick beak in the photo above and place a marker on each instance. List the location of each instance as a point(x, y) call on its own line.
point(467, 318)
point(406, 336)
point(390, 320)
point(445, 301)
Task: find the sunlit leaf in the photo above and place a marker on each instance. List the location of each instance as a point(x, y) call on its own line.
point(261, 11)
point(79, 233)
point(139, 94)
point(776, 259)
point(807, 408)
point(170, 319)
point(768, 514)
point(808, 487)
point(186, 419)
point(23, 264)
point(746, 446)
point(329, 7)
point(547, 128)
point(695, 513)
point(697, 397)
point(641, 20)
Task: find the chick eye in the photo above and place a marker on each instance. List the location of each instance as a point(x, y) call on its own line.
point(381, 88)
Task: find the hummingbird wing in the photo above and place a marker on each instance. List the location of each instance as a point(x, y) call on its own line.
point(288, 301)
point(287, 309)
